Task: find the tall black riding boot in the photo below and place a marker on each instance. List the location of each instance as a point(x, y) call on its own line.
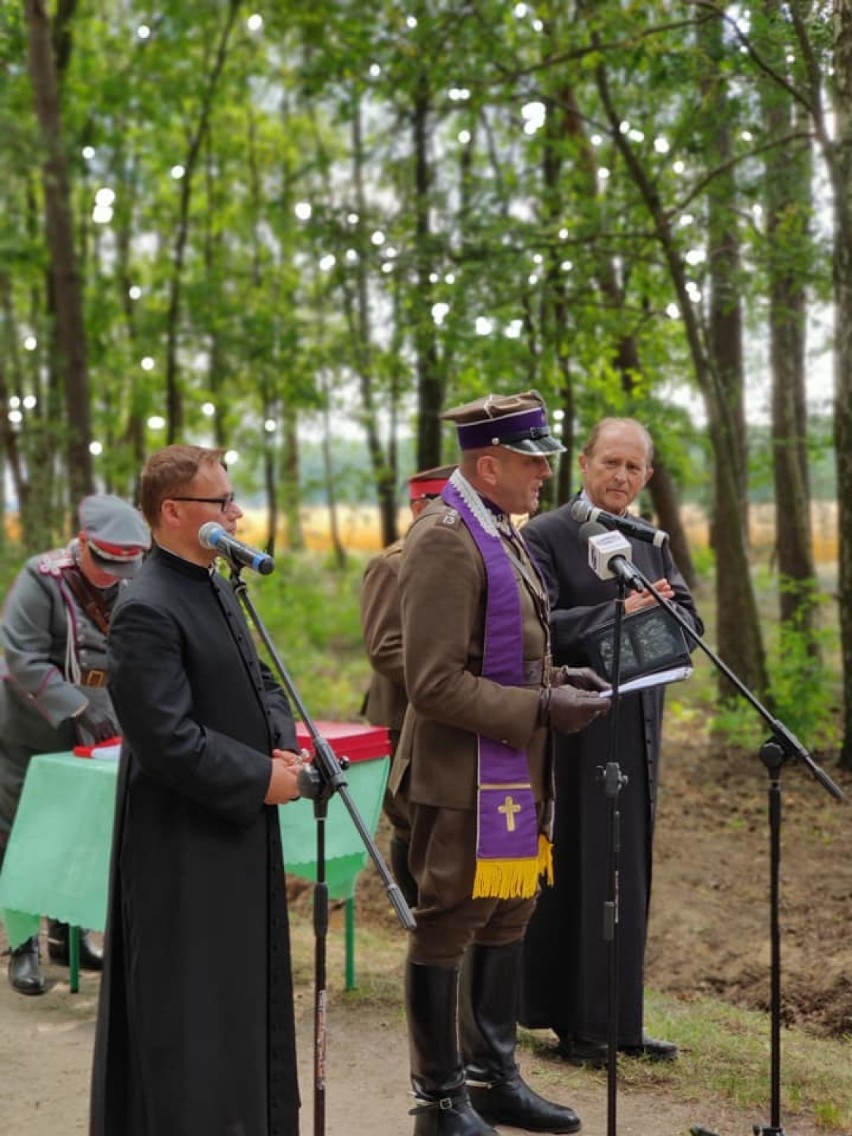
point(443, 1107)
point(25, 974)
point(401, 872)
point(488, 1008)
point(58, 948)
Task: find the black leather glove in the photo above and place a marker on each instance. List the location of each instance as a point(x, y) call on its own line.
point(569, 710)
point(99, 727)
point(583, 678)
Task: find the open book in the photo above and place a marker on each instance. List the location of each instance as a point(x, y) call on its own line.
point(643, 682)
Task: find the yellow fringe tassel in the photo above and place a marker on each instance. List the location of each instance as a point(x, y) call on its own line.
point(545, 859)
point(514, 879)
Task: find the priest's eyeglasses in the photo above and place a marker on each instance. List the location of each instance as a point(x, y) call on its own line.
point(224, 503)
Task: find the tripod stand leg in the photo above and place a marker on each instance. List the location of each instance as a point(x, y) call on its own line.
point(350, 943)
point(613, 780)
point(772, 756)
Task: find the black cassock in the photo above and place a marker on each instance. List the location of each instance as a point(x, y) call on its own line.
point(565, 957)
point(195, 1033)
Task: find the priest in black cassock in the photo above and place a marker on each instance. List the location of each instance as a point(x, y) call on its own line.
point(566, 970)
point(195, 1031)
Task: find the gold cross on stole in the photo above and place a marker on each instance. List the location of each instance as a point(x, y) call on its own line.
point(508, 809)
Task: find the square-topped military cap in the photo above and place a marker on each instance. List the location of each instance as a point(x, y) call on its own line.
point(516, 421)
point(429, 482)
point(115, 533)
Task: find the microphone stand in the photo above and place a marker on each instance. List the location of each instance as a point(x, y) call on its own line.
point(782, 746)
point(318, 781)
point(613, 781)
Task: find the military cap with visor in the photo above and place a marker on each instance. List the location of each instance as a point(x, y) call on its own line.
point(429, 482)
point(516, 421)
point(116, 535)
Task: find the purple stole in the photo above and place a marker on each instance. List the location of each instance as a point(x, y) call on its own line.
point(511, 855)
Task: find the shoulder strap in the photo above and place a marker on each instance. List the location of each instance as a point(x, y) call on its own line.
point(89, 601)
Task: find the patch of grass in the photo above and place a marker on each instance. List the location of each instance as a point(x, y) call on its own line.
point(725, 1053)
point(379, 957)
point(805, 688)
point(725, 1057)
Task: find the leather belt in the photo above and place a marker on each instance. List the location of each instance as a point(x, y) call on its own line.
point(93, 678)
point(537, 672)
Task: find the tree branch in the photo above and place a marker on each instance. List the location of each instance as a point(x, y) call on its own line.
point(754, 54)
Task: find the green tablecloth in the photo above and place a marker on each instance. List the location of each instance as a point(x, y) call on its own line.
point(57, 860)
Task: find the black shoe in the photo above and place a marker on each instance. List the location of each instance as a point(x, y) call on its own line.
point(59, 951)
point(652, 1048)
point(582, 1052)
point(514, 1103)
point(25, 974)
point(437, 1075)
point(451, 1115)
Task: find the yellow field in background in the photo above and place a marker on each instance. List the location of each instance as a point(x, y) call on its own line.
point(762, 529)
point(359, 531)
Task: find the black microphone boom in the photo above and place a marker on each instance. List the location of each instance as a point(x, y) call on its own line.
point(214, 536)
point(632, 526)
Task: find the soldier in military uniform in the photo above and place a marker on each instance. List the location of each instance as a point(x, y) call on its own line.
point(386, 699)
point(53, 694)
point(472, 769)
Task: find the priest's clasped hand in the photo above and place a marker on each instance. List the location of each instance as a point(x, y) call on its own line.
point(284, 779)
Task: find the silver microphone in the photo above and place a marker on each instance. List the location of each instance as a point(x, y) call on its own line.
point(610, 555)
point(213, 535)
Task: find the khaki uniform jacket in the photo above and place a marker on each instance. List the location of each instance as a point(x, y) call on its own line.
point(381, 625)
point(443, 594)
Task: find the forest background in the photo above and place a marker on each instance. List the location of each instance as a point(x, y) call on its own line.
point(301, 232)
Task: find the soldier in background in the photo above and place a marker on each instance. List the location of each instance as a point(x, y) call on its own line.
point(53, 694)
point(381, 624)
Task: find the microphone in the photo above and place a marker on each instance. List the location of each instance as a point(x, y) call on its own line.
point(610, 555)
point(220, 540)
point(639, 530)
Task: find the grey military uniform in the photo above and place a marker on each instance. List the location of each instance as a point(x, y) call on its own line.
point(53, 666)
